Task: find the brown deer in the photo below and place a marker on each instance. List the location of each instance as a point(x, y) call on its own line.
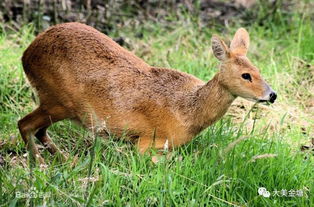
point(83, 75)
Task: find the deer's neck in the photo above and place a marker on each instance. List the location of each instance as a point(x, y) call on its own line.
point(209, 104)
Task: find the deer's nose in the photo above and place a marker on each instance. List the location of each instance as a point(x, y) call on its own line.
point(272, 97)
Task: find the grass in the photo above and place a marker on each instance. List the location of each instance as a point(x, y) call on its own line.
point(218, 168)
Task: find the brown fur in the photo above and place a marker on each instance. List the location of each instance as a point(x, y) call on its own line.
point(81, 74)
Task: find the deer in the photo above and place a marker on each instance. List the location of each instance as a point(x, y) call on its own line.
point(81, 74)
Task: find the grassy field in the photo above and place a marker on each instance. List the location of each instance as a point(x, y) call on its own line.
point(253, 146)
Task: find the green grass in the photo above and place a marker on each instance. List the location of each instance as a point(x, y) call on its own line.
point(207, 171)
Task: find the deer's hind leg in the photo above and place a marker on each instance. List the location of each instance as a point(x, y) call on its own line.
point(44, 138)
point(36, 124)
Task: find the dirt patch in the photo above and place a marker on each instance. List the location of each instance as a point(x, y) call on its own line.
point(278, 117)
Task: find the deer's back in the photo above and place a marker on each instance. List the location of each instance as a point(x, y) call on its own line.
point(83, 47)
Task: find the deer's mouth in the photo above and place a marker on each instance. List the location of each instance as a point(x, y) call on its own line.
point(262, 101)
point(270, 99)
point(266, 102)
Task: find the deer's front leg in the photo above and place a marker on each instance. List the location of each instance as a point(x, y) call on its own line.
point(146, 143)
point(161, 145)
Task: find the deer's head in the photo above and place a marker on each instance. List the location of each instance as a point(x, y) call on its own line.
point(237, 74)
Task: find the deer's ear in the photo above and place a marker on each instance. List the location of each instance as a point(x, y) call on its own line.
point(240, 42)
point(219, 48)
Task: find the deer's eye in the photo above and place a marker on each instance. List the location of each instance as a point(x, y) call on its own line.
point(247, 76)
